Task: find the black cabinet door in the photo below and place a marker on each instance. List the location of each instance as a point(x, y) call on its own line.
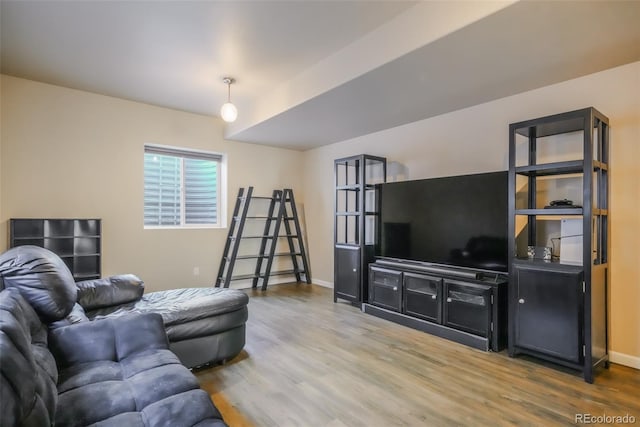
point(347, 273)
point(548, 305)
point(468, 307)
point(423, 296)
point(385, 288)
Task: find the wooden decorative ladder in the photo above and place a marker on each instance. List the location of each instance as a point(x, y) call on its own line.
point(282, 209)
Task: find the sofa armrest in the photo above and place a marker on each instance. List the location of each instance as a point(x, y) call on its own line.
point(109, 339)
point(109, 291)
point(77, 315)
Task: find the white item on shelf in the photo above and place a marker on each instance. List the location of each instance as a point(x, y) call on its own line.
point(571, 241)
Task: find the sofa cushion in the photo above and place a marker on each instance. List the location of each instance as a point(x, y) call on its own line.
point(129, 419)
point(112, 340)
point(42, 278)
point(185, 410)
point(112, 374)
point(174, 411)
point(28, 370)
point(109, 291)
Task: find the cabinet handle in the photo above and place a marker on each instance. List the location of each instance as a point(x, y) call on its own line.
point(521, 300)
point(395, 288)
point(448, 299)
point(434, 296)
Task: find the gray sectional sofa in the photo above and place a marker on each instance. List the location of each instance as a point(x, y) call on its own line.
point(60, 368)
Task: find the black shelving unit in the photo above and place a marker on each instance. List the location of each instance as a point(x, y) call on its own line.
point(558, 306)
point(356, 223)
point(77, 241)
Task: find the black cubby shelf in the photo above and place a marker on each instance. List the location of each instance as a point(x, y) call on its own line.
point(77, 241)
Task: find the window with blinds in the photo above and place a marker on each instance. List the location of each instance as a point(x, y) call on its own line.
point(181, 187)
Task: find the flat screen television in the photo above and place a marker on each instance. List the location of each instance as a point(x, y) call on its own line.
point(456, 220)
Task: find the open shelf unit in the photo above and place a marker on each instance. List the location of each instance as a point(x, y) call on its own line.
point(76, 241)
point(558, 306)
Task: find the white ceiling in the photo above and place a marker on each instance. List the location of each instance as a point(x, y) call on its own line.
point(311, 73)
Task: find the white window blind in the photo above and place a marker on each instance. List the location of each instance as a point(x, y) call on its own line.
point(181, 187)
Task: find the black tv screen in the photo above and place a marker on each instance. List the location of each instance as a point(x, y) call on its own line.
point(457, 220)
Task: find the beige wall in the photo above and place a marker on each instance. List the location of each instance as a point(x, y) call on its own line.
point(476, 140)
point(69, 153)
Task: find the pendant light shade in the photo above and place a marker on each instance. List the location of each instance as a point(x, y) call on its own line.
point(228, 111)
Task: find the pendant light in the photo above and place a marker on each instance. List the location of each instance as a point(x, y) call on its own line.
point(228, 111)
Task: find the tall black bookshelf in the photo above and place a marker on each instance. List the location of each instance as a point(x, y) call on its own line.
point(558, 200)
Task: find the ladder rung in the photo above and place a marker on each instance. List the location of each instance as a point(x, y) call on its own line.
point(262, 198)
point(236, 218)
point(284, 272)
point(257, 237)
point(243, 277)
point(265, 256)
point(249, 256)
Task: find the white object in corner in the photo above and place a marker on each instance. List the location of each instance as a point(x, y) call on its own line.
point(571, 241)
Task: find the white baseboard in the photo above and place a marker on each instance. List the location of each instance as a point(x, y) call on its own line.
point(624, 359)
point(323, 283)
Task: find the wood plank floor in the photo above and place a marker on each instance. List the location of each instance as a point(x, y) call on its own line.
point(310, 362)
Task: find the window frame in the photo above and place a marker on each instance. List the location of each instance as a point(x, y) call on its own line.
point(221, 183)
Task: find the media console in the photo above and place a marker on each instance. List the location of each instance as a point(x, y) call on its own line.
point(461, 304)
